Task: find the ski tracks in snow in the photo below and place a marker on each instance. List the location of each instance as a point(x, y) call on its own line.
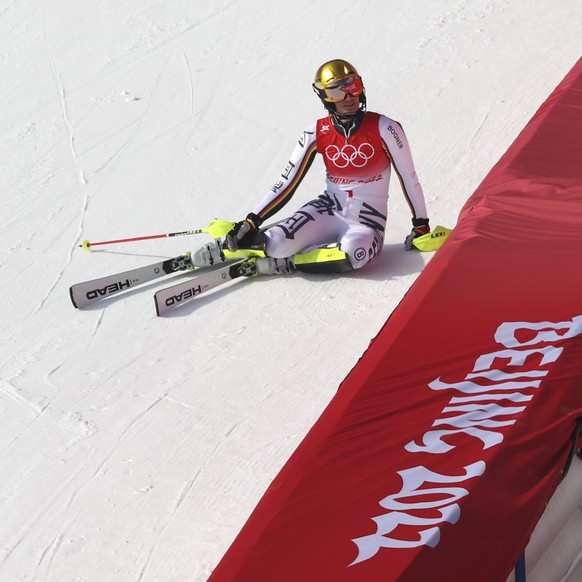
point(80, 175)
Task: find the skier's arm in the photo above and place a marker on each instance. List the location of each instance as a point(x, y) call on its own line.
point(298, 165)
point(397, 144)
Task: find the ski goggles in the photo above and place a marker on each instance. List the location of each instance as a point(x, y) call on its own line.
point(338, 90)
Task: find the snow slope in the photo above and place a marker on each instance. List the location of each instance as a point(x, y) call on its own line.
point(134, 447)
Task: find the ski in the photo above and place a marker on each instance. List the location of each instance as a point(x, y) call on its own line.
point(88, 292)
point(176, 295)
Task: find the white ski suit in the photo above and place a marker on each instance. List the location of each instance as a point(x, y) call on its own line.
point(352, 209)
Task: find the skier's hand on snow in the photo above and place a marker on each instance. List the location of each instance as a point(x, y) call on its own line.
point(420, 227)
point(241, 229)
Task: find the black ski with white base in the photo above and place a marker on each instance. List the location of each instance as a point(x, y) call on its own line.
point(88, 292)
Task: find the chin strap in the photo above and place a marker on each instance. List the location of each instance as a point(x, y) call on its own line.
point(347, 124)
point(340, 118)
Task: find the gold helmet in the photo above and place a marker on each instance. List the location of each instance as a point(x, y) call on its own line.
point(333, 71)
point(334, 79)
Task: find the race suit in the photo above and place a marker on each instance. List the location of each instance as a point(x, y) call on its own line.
point(352, 209)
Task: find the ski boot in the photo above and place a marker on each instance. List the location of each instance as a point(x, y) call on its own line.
point(209, 255)
point(265, 266)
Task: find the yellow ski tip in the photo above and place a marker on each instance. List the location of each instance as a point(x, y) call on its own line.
point(433, 240)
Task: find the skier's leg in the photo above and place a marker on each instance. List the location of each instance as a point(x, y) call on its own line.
point(313, 225)
point(356, 248)
point(327, 259)
point(361, 244)
point(317, 240)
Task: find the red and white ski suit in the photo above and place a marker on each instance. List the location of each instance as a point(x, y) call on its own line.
point(352, 209)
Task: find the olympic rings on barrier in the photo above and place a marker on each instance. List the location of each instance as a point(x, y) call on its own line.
point(349, 154)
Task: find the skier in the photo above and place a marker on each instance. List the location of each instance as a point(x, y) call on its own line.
point(343, 228)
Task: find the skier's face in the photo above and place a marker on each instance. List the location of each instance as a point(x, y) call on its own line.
point(349, 106)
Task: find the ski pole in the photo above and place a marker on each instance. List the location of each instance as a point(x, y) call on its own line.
point(216, 229)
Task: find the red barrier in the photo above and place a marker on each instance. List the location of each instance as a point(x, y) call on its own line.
point(436, 458)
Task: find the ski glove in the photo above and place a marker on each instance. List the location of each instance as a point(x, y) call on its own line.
point(420, 227)
point(242, 229)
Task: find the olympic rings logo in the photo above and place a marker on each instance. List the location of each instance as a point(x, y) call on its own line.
point(349, 154)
